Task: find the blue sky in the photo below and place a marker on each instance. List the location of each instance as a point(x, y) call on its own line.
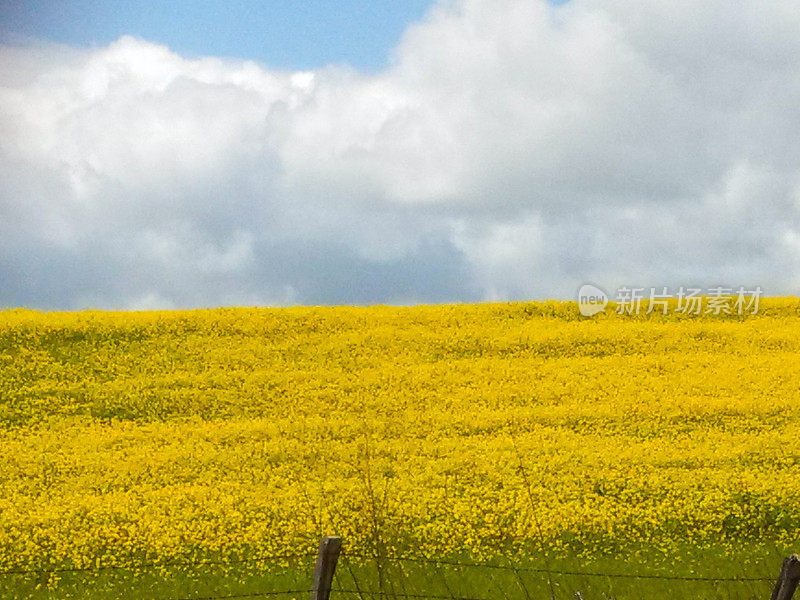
point(518, 150)
point(281, 34)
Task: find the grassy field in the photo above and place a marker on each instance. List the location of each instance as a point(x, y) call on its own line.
point(517, 434)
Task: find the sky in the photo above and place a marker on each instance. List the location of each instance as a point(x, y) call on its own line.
point(278, 34)
point(207, 154)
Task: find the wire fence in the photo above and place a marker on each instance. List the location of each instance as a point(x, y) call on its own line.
point(155, 567)
point(451, 563)
point(252, 595)
point(159, 565)
point(520, 582)
point(368, 575)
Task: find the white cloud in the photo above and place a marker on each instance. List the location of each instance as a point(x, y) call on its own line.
point(514, 149)
point(508, 258)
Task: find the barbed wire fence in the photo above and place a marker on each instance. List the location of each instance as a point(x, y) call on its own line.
point(345, 573)
point(268, 563)
point(516, 585)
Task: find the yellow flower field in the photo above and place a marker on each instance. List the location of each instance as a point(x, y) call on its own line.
point(230, 432)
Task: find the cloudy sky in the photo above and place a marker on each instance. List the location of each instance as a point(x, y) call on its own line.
point(212, 154)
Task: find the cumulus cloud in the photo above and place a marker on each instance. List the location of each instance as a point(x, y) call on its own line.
point(513, 149)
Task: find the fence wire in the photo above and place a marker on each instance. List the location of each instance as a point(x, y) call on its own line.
point(158, 565)
point(541, 570)
point(253, 595)
point(401, 595)
point(394, 578)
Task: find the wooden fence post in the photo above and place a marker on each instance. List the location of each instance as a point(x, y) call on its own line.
point(788, 579)
point(329, 548)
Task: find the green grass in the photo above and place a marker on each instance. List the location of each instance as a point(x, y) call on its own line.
point(357, 577)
